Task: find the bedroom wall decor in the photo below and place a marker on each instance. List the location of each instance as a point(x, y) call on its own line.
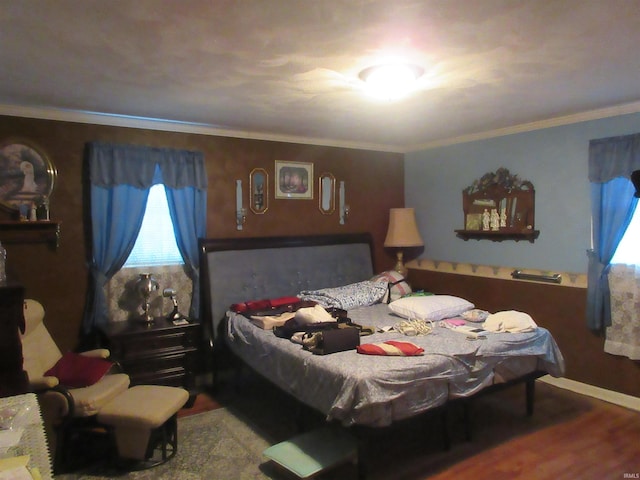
point(499, 206)
point(241, 212)
point(344, 208)
point(294, 180)
point(27, 178)
point(327, 195)
point(259, 191)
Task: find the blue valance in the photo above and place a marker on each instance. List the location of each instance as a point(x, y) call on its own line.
point(110, 165)
point(613, 157)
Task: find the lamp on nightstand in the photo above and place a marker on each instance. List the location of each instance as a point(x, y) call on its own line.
point(402, 233)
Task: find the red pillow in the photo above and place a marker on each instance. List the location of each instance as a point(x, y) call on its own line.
point(75, 370)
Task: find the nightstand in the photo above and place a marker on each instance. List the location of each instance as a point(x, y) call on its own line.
point(160, 353)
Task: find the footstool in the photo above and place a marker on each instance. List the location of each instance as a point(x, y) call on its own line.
point(144, 418)
point(314, 452)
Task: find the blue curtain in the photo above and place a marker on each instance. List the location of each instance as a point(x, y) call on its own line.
point(188, 229)
point(120, 177)
point(611, 161)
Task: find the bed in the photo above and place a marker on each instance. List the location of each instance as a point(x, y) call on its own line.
point(348, 387)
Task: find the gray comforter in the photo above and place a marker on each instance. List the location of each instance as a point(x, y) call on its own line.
point(377, 390)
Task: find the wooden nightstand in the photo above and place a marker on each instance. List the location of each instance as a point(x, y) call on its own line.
point(157, 354)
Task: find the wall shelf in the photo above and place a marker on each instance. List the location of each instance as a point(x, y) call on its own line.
point(30, 232)
point(498, 236)
point(499, 206)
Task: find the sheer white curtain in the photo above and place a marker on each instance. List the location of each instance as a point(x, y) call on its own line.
point(623, 336)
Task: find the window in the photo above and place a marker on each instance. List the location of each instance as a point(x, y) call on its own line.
point(156, 242)
point(628, 251)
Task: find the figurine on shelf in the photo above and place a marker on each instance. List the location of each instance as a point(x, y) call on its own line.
point(23, 210)
point(43, 209)
point(32, 213)
point(503, 217)
point(486, 219)
point(495, 220)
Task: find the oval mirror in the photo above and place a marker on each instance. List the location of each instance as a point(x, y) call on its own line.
point(258, 190)
point(327, 188)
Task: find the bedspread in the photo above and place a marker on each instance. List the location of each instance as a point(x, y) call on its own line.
point(377, 390)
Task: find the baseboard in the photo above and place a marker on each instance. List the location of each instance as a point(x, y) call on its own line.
point(617, 398)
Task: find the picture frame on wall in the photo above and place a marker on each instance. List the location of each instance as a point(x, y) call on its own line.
point(293, 180)
point(27, 176)
point(473, 221)
point(259, 191)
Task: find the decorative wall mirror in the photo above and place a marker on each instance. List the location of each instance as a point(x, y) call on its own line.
point(258, 191)
point(327, 197)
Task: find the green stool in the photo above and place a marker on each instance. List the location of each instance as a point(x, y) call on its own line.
point(314, 452)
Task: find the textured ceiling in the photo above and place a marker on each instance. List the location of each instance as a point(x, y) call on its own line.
point(290, 68)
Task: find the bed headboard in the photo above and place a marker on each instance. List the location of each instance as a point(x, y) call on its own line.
point(239, 269)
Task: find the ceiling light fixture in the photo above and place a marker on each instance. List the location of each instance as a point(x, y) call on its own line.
point(391, 81)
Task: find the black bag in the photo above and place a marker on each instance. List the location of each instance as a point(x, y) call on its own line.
point(332, 341)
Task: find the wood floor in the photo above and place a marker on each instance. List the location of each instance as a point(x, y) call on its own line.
point(570, 437)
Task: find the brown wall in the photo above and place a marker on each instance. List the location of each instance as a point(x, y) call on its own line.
point(374, 183)
point(560, 309)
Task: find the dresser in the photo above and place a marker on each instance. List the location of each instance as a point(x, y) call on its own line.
point(13, 379)
point(160, 353)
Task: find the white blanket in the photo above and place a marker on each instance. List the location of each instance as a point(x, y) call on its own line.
point(510, 321)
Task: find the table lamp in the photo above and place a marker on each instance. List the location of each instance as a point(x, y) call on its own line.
point(402, 233)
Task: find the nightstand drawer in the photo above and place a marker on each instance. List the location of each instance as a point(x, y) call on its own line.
point(170, 378)
point(185, 360)
point(137, 346)
point(157, 354)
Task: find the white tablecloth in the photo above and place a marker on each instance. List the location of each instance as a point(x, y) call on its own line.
point(33, 441)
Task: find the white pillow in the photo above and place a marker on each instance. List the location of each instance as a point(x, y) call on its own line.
point(430, 307)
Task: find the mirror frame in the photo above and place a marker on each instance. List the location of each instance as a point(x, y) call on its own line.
point(330, 191)
point(254, 194)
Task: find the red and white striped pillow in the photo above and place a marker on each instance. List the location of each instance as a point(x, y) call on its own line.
point(390, 347)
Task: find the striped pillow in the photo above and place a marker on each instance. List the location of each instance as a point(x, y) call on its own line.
point(390, 347)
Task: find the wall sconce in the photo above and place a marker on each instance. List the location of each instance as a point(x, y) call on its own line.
point(241, 212)
point(241, 218)
point(344, 209)
point(402, 233)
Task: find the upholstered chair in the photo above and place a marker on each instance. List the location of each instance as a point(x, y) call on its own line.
point(71, 388)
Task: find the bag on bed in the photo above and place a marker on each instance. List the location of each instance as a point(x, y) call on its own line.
point(331, 341)
point(292, 326)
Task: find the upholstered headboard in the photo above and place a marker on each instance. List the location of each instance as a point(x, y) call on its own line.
point(241, 269)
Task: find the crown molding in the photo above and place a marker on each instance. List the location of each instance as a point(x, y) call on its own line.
point(614, 111)
point(97, 118)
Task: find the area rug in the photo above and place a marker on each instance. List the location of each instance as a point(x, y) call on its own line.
point(227, 443)
point(211, 445)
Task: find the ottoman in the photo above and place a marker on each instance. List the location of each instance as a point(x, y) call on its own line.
point(144, 418)
point(314, 452)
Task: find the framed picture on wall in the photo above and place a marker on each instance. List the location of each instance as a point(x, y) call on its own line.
point(27, 176)
point(259, 191)
point(294, 180)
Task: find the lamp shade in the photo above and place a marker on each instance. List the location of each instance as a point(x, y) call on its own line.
point(403, 231)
